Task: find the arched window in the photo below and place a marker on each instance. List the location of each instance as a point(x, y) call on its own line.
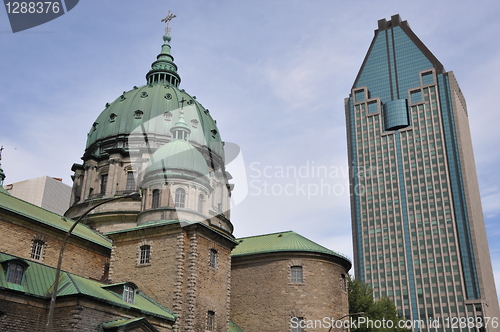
point(200, 203)
point(180, 197)
point(145, 254)
point(156, 199)
point(210, 321)
point(37, 250)
point(15, 272)
point(296, 274)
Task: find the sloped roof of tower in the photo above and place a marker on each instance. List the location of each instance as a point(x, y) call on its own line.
point(405, 45)
point(153, 109)
point(280, 242)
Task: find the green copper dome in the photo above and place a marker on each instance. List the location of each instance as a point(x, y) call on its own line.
point(153, 109)
point(175, 157)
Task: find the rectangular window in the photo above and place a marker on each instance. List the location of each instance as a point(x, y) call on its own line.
point(211, 321)
point(128, 294)
point(130, 182)
point(296, 274)
point(297, 324)
point(104, 183)
point(145, 254)
point(213, 258)
point(37, 250)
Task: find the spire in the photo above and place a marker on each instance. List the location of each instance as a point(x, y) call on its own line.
point(180, 130)
point(164, 70)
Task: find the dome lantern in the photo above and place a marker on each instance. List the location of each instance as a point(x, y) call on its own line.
point(164, 70)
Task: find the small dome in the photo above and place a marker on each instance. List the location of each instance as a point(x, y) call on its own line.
point(175, 157)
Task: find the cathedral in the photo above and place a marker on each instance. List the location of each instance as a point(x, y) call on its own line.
point(152, 247)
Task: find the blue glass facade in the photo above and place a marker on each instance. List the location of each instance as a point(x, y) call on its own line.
point(411, 225)
point(396, 114)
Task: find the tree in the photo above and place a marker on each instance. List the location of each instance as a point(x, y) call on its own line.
point(382, 313)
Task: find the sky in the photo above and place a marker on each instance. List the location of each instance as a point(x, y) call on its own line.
point(274, 74)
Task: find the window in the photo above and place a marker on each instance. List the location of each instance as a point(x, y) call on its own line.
point(145, 254)
point(138, 114)
point(130, 181)
point(213, 258)
point(200, 203)
point(296, 274)
point(37, 250)
point(343, 282)
point(104, 183)
point(180, 197)
point(15, 272)
point(128, 294)
point(298, 324)
point(210, 321)
point(156, 199)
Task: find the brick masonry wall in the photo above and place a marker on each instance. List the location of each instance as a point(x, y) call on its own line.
point(22, 314)
point(158, 278)
point(27, 314)
point(263, 299)
point(179, 276)
point(17, 239)
point(213, 285)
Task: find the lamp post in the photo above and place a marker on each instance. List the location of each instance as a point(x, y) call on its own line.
point(354, 314)
point(48, 327)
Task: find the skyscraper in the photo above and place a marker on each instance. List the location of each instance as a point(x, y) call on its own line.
point(418, 229)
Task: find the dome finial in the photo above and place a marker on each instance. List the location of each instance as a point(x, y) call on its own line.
point(167, 20)
point(164, 70)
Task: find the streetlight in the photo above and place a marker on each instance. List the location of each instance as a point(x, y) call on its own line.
point(355, 314)
point(48, 327)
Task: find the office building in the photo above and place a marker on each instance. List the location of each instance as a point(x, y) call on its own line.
point(418, 229)
point(49, 193)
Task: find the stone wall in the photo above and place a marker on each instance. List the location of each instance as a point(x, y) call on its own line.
point(80, 256)
point(22, 313)
point(157, 278)
point(264, 299)
point(179, 275)
point(212, 292)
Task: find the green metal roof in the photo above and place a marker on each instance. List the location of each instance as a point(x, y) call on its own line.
point(154, 109)
point(38, 214)
point(38, 280)
point(234, 328)
point(279, 242)
point(177, 155)
point(159, 223)
point(121, 322)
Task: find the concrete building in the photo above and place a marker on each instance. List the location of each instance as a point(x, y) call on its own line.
point(49, 193)
point(167, 260)
point(418, 230)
